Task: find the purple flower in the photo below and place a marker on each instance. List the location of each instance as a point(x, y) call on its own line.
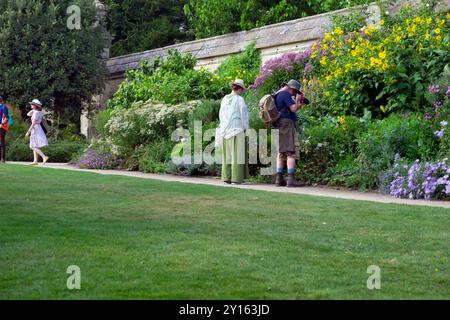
point(308, 68)
point(434, 88)
point(428, 116)
point(285, 62)
point(439, 133)
point(448, 93)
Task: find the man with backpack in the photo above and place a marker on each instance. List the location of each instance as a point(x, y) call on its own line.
point(4, 124)
point(280, 110)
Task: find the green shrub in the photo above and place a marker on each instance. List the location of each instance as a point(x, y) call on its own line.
point(324, 144)
point(146, 122)
point(58, 151)
point(244, 65)
point(155, 156)
point(100, 120)
point(171, 80)
point(409, 137)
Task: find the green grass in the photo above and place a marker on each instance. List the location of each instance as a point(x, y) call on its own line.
point(145, 239)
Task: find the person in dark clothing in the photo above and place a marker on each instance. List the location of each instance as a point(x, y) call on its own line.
point(4, 120)
point(289, 146)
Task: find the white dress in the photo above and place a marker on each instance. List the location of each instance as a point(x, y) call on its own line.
point(38, 139)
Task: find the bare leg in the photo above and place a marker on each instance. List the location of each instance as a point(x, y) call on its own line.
point(35, 157)
point(39, 152)
point(291, 163)
point(43, 156)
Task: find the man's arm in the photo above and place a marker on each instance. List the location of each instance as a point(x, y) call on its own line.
point(298, 103)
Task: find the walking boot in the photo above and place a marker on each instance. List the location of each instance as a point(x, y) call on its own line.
point(280, 182)
point(291, 182)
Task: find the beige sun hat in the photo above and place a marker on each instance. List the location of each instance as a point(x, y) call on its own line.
point(240, 83)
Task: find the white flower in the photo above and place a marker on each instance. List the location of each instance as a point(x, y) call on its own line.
point(444, 123)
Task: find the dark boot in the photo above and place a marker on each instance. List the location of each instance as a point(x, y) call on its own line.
point(291, 182)
point(280, 182)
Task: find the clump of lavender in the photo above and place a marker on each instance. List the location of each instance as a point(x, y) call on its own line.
point(99, 157)
point(423, 181)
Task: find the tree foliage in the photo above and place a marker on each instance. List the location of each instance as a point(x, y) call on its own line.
point(138, 25)
point(215, 17)
point(40, 57)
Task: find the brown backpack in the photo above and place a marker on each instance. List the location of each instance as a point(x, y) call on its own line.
point(268, 111)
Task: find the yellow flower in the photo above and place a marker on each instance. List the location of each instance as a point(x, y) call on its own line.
point(348, 67)
point(341, 120)
point(328, 37)
point(382, 22)
point(383, 109)
point(323, 61)
point(448, 15)
point(437, 31)
point(329, 78)
point(339, 31)
point(382, 55)
point(325, 47)
point(327, 94)
point(346, 91)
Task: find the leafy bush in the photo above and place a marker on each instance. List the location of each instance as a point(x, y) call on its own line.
point(100, 120)
point(170, 80)
point(155, 156)
point(194, 169)
point(146, 122)
point(175, 80)
point(57, 151)
point(411, 137)
point(244, 66)
point(324, 144)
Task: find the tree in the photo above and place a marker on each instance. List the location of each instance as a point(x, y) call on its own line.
point(138, 25)
point(214, 17)
point(41, 57)
point(209, 18)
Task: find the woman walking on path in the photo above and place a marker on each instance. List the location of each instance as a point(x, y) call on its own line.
point(234, 120)
point(38, 138)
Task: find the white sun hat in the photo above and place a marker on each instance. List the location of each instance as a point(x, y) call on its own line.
point(36, 102)
point(240, 83)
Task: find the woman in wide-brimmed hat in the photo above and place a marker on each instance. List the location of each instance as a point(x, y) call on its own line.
point(38, 139)
point(234, 120)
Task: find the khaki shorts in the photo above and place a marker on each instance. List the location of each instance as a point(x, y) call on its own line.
point(296, 155)
point(289, 144)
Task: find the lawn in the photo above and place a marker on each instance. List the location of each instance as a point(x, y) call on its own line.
point(143, 239)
